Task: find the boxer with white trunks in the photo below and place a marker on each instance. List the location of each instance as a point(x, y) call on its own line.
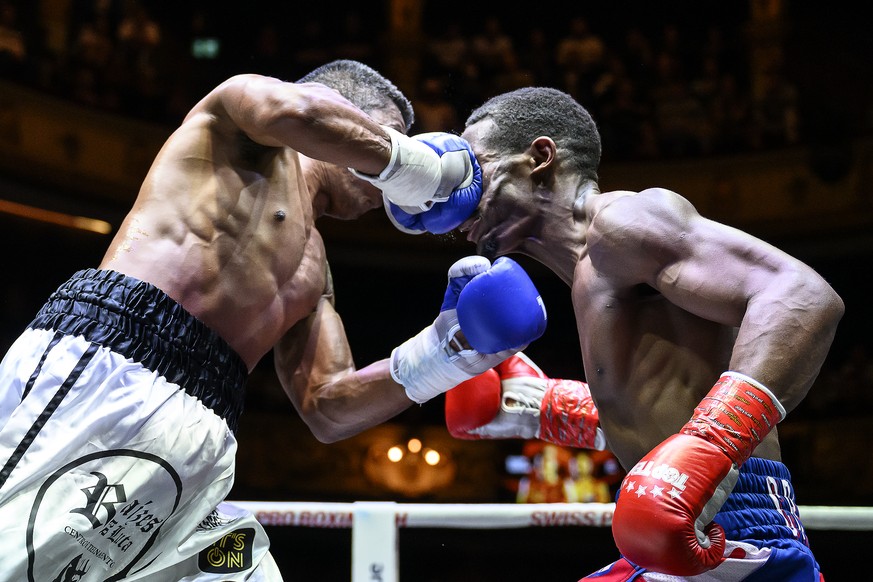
point(100, 396)
point(118, 404)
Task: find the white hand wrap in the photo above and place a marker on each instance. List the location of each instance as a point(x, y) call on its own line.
point(425, 364)
point(434, 361)
point(417, 176)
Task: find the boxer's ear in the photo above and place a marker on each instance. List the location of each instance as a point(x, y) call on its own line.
point(543, 151)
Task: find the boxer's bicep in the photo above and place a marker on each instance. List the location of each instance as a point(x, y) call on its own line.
point(310, 118)
point(714, 272)
point(657, 238)
point(312, 354)
point(786, 314)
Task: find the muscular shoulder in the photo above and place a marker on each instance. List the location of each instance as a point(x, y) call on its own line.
point(631, 233)
point(634, 211)
point(226, 96)
point(249, 104)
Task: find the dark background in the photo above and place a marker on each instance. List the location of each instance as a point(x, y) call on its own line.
point(389, 286)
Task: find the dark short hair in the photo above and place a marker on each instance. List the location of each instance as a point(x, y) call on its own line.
point(363, 86)
point(522, 115)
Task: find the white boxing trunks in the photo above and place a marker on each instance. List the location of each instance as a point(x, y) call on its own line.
point(117, 412)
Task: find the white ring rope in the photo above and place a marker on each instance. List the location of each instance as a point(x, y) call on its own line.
point(499, 515)
point(375, 525)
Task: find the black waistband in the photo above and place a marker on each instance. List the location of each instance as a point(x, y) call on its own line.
point(141, 322)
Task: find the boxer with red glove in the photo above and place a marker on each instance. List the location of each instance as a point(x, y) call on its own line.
point(515, 399)
point(489, 313)
point(663, 515)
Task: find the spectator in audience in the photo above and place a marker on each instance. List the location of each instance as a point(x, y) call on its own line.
point(680, 120)
point(674, 44)
point(513, 76)
point(491, 48)
point(639, 57)
point(775, 111)
point(726, 49)
point(579, 57)
point(90, 60)
point(537, 56)
point(706, 81)
point(681, 123)
point(433, 111)
point(447, 50)
point(138, 41)
point(13, 47)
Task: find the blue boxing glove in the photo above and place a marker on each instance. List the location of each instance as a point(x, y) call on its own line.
point(501, 309)
point(442, 214)
point(436, 360)
point(432, 183)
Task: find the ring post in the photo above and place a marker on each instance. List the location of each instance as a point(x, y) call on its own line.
point(374, 542)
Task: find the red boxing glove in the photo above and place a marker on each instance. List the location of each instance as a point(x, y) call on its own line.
point(515, 399)
point(663, 516)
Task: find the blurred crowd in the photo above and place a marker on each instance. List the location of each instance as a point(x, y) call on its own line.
point(653, 96)
point(657, 90)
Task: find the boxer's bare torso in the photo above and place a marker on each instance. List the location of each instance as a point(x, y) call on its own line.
point(208, 228)
point(648, 362)
point(659, 292)
point(225, 226)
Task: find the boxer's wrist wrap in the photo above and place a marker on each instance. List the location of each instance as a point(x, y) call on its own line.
point(735, 416)
point(569, 417)
point(396, 159)
point(424, 366)
point(413, 175)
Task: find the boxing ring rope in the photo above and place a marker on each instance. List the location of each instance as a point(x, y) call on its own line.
point(374, 524)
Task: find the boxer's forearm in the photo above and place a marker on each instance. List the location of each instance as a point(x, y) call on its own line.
point(353, 403)
point(316, 370)
point(784, 346)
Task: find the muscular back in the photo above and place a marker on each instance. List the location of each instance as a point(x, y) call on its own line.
point(225, 227)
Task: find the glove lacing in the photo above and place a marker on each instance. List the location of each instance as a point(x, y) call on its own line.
point(521, 403)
